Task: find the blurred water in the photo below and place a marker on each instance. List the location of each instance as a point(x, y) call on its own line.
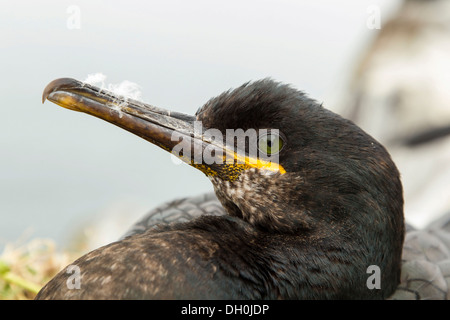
point(59, 168)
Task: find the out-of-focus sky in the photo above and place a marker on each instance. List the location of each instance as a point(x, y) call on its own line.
point(60, 169)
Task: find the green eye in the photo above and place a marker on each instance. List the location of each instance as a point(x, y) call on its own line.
point(270, 143)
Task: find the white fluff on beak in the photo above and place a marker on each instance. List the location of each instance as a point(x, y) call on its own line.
point(125, 88)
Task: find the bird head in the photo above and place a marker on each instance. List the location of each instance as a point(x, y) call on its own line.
point(277, 159)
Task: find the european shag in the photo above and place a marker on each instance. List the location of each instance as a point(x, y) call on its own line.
point(307, 226)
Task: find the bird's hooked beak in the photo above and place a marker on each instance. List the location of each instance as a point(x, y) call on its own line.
point(161, 127)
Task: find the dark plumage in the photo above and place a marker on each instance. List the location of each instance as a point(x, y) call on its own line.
point(310, 233)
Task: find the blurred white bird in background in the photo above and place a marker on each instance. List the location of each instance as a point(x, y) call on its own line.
point(400, 94)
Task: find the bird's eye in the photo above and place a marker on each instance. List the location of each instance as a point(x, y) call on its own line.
point(270, 143)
